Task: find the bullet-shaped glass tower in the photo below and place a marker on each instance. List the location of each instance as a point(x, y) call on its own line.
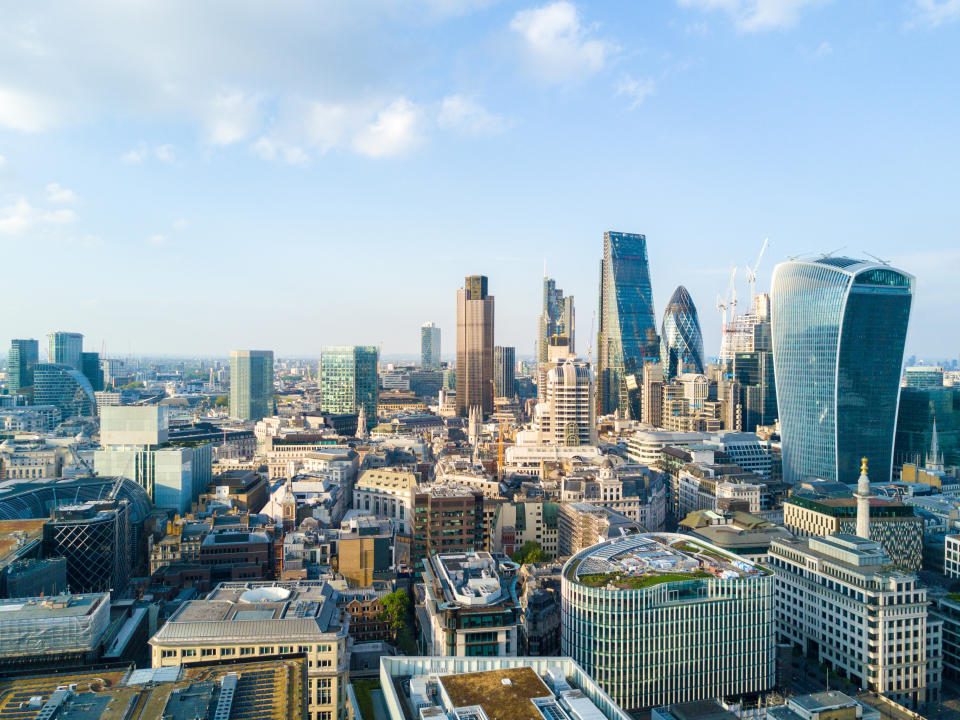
point(681, 342)
point(839, 330)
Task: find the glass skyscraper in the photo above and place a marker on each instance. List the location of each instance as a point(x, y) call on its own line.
point(681, 342)
point(251, 384)
point(556, 318)
point(65, 348)
point(504, 370)
point(430, 346)
point(628, 330)
point(23, 356)
point(348, 380)
point(65, 388)
point(839, 328)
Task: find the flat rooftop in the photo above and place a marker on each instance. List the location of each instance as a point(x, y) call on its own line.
point(500, 700)
point(54, 606)
point(640, 561)
point(17, 534)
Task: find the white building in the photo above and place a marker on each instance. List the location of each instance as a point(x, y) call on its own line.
point(565, 415)
point(388, 493)
point(951, 558)
point(644, 446)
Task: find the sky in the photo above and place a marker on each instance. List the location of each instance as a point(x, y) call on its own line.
point(189, 178)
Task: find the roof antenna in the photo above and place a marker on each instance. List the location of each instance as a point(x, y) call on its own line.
point(879, 260)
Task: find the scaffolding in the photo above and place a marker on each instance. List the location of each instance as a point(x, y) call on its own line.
point(51, 626)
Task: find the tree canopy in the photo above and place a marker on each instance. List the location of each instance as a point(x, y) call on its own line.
point(529, 552)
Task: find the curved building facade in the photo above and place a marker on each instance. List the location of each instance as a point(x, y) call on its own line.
point(839, 329)
point(628, 330)
point(64, 387)
point(659, 618)
point(681, 341)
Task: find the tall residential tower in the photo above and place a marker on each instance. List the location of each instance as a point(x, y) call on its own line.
point(839, 328)
point(628, 330)
point(474, 346)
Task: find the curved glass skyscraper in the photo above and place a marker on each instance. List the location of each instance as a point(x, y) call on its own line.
point(681, 342)
point(628, 330)
point(839, 328)
point(64, 387)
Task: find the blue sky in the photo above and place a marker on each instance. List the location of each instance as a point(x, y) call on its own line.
point(188, 178)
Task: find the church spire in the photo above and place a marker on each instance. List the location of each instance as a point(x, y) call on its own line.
point(934, 460)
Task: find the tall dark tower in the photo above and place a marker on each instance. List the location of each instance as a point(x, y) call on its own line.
point(474, 346)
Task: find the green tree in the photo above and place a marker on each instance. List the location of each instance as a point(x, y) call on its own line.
point(221, 401)
point(394, 609)
point(529, 552)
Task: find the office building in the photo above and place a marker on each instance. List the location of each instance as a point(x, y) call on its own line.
point(23, 356)
point(243, 621)
point(48, 632)
point(136, 445)
point(658, 619)
point(556, 318)
point(504, 371)
point(627, 332)
point(584, 524)
point(95, 539)
point(470, 606)
point(388, 493)
point(492, 688)
point(841, 602)
point(348, 380)
point(513, 524)
point(923, 376)
point(64, 387)
point(928, 417)
point(475, 312)
point(91, 369)
point(681, 342)
point(251, 384)
point(447, 517)
point(64, 348)
point(839, 327)
point(736, 531)
point(565, 416)
point(430, 346)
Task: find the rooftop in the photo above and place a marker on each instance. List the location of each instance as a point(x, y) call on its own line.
point(640, 561)
point(55, 606)
point(474, 578)
point(503, 694)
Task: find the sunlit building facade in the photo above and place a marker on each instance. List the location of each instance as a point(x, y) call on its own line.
point(348, 380)
point(251, 384)
point(839, 328)
point(681, 342)
point(628, 330)
point(23, 355)
point(65, 388)
point(64, 348)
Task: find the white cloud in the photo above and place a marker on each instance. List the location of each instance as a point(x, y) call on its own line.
point(327, 125)
point(823, 49)
point(464, 114)
point(165, 153)
point(396, 130)
point(132, 157)
point(232, 117)
point(637, 90)
point(60, 195)
point(22, 111)
point(3, 161)
point(933, 13)
point(20, 216)
point(180, 224)
point(273, 149)
point(557, 46)
point(157, 240)
point(757, 15)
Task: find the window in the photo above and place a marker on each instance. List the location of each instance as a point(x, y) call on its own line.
point(228, 651)
point(247, 651)
point(266, 650)
point(207, 652)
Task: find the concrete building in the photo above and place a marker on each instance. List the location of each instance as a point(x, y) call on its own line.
point(657, 619)
point(841, 602)
point(735, 531)
point(565, 415)
point(923, 376)
point(447, 518)
point(31, 457)
point(629, 489)
point(251, 384)
point(582, 525)
point(475, 314)
point(388, 493)
point(251, 620)
point(470, 606)
point(516, 523)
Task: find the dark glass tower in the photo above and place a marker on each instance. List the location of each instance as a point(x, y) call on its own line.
point(504, 370)
point(24, 354)
point(681, 342)
point(628, 331)
point(556, 318)
point(839, 329)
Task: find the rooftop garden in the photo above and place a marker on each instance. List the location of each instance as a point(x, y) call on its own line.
point(624, 581)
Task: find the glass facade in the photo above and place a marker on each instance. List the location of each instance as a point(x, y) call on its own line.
point(64, 348)
point(839, 329)
point(681, 342)
point(348, 380)
point(628, 331)
point(430, 346)
point(556, 318)
point(504, 370)
point(65, 388)
point(90, 367)
point(918, 409)
point(23, 356)
point(251, 384)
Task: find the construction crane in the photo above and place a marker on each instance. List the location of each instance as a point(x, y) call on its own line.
point(751, 272)
point(727, 303)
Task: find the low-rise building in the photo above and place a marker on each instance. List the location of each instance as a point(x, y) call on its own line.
point(388, 493)
point(584, 524)
point(842, 602)
point(246, 621)
point(735, 531)
point(517, 523)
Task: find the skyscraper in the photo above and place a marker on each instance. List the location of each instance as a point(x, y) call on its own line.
point(628, 332)
point(504, 371)
point(90, 367)
point(681, 342)
point(556, 318)
point(251, 384)
point(474, 346)
point(839, 328)
point(348, 380)
point(65, 388)
point(64, 348)
point(430, 346)
point(23, 355)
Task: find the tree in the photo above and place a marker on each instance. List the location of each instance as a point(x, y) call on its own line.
point(529, 552)
point(394, 608)
point(221, 401)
